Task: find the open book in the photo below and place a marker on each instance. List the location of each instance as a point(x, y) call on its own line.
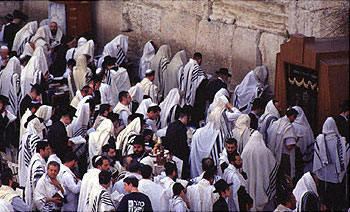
point(78, 140)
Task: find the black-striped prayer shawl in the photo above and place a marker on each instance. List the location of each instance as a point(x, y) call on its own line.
point(103, 199)
point(271, 189)
point(21, 47)
point(120, 55)
point(163, 68)
point(29, 148)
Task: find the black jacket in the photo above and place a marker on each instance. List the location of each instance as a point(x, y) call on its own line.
point(253, 121)
point(213, 87)
point(25, 103)
point(10, 33)
point(343, 126)
point(220, 205)
point(58, 139)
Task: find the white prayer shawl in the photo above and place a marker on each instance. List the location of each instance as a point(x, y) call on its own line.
point(28, 50)
point(22, 129)
point(232, 175)
point(202, 143)
point(159, 64)
point(177, 204)
point(136, 93)
point(100, 200)
point(80, 123)
point(88, 182)
point(142, 109)
point(306, 138)
point(45, 189)
point(120, 107)
point(331, 153)
point(100, 137)
point(150, 89)
point(261, 168)
point(170, 76)
point(23, 36)
point(80, 71)
point(77, 98)
point(117, 48)
point(190, 77)
point(71, 52)
point(35, 171)
point(156, 194)
point(242, 131)
point(5, 206)
point(148, 54)
point(251, 87)
point(9, 83)
point(270, 115)
point(30, 75)
point(201, 196)
point(305, 184)
point(44, 112)
point(219, 93)
point(41, 52)
point(52, 38)
point(119, 81)
point(40, 37)
point(124, 140)
point(278, 132)
point(71, 186)
point(87, 49)
point(106, 94)
point(167, 107)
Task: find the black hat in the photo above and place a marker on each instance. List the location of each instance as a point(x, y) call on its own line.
point(9, 17)
point(139, 139)
point(4, 100)
point(20, 15)
point(65, 110)
point(221, 185)
point(223, 71)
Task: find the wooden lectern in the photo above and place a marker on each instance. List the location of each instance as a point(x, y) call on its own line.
point(313, 73)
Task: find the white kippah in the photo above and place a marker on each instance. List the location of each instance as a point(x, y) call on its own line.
point(148, 71)
point(4, 48)
point(98, 70)
point(152, 105)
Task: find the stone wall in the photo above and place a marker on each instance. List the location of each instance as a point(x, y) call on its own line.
point(7, 7)
point(239, 35)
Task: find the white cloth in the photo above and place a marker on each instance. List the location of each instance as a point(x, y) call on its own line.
point(35, 171)
point(119, 81)
point(28, 50)
point(5, 206)
point(72, 186)
point(170, 76)
point(331, 154)
point(270, 115)
point(306, 183)
point(54, 38)
point(88, 182)
point(80, 123)
point(251, 87)
point(30, 75)
point(23, 36)
point(45, 189)
point(278, 132)
point(9, 83)
point(41, 38)
point(87, 49)
point(177, 204)
point(190, 77)
point(201, 196)
point(117, 48)
point(261, 169)
point(80, 72)
point(136, 93)
point(77, 98)
point(71, 52)
point(219, 93)
point(306, 138)
point(148, 54)
point(124, 137)
point(242, 131)
point(123, 112)
point(106, 94)
point(155, 192)
point(150, 89)
point(100, 200)
point(142, 109)
point(41, 52)
point(53, 157)
point(99, 138)
point(167, 107)
point(22, 129)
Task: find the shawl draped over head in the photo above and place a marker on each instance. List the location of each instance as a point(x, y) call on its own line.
point(80, 122)
point(305, 138)
point(31, 74)
point(100, 137)
point(50, 38)
point(23, 36)
point(148, 54)
point(190, 77)
point(219, 93)
point(44, 112)
point(170, 78)
point(150, 89)
point(261, 168)
point(41, 37)
point(116, 48)
point(251, 87)
point(172, 99)
point(42, 54)
point(201, 196)
point(28, 50)
point(159, 64)
point(71, 52)
point(9, 83)
point(242, 131)
point(271, 114)
point(124, 138)
point(87, 49)
point(80, 71)
point(136, 93)
point(305, 184)
point(142, 109)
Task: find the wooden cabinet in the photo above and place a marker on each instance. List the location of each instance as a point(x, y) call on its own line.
point(314, 74)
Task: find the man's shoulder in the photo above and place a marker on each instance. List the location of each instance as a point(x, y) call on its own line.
point(136, 196)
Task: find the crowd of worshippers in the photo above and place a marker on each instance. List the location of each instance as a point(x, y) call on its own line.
point(169, 139)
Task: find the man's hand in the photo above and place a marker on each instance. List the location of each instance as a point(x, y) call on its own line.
point(56, 200)
point(229, 105)
point(69, 143)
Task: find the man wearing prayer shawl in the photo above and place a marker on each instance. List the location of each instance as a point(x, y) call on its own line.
point(208, 141)
point(242, 131)
point(330, 163)
point(99, 163)
point(201, 196)
point(281, 141)
point(71, 52)
point(117, 48)
point(126, 136)
point(169, 107)
point(49, 193)
point(28, 50)
point(33, 107)
point(170, 76)
point(148, 87)
point(79, 74)
point(271, 114)
point(148, 53)
point(11, 29)
point(307, 185)
point(100, 198)
point(35, 127)
point(305, 138)
point(261, 169)
point(159, 63)
point(122, 107)
point(36, 170)
point(23, 36)
point(154, 191)
point(86, 49)
point(80, 94)
point(253, 86)
point(216, 84)
point(9, 87)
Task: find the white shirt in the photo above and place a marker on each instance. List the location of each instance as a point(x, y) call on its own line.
point(72, 187)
